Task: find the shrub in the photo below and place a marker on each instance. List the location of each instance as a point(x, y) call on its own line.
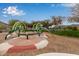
point(1, 27)
point(71, 28)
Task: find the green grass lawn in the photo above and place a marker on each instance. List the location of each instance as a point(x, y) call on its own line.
point(70, 33)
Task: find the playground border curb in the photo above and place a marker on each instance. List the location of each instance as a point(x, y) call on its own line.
point(12, 48)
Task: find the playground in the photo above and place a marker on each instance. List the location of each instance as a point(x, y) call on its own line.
point(56, 44)
point(30, 42)
point(19, 39)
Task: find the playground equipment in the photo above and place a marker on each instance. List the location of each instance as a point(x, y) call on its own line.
point(21, 27)
point(19, 43)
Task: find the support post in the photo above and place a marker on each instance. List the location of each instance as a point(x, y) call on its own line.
point(27, 37)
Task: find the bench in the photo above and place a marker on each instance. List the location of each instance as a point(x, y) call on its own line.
point(24, 34)
point(30, 34)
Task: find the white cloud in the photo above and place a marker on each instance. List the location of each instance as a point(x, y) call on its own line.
point(68, 4)
point(13, 10)
point(5, 15)
point(64, 4)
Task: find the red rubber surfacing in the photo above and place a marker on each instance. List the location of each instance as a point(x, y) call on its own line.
point(21, 48)
point(21, 43)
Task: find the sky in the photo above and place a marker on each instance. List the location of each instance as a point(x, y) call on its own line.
point(33, 11)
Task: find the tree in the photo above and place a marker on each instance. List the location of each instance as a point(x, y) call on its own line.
point(75, 10)
point(2, 27)
point(73, 19)
point(56, 20)
point(26, 24)
point(45, 23)
point(33, 23)
point(12, 22)
point(75, 13)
